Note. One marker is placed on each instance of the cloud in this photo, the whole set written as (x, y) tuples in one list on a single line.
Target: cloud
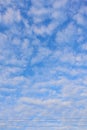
[(80, 17), (60, 4), (43, 65), (67, 36), (84, 46), (9, 16), (46, 17), (42, 54)]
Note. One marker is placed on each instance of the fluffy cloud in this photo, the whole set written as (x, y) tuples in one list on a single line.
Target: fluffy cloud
[(10, 16)]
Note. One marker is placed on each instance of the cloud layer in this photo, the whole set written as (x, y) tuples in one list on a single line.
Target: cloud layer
[(43, 64)]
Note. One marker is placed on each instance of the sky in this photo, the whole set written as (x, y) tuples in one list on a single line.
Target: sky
[(43, 64)]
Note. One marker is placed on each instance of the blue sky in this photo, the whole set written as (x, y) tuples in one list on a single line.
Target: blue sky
[(43, 64)]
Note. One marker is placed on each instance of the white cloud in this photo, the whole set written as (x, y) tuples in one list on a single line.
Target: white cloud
[(10, 16), (58, 4), (80, 17), (46, 103), (42, 54), (84, 46), (3, 39), (16, 41), (5, 2), (67, 35), (58, 87), (40, 13)]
